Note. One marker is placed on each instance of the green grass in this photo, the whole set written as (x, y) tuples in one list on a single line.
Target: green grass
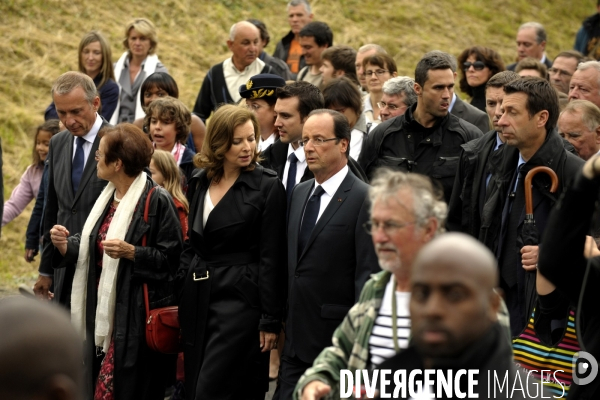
[(40, 39)]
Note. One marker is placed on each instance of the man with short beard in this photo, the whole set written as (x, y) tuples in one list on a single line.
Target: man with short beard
[(406, 213)]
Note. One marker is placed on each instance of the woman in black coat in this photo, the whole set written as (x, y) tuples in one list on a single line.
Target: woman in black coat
[(233, 265), (107, 304)]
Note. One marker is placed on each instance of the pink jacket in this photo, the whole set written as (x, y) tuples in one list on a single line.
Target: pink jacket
[(25, 191)]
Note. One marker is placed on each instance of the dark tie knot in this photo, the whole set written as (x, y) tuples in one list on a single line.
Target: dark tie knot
[(317, 193), (80, 141), (292, 158)]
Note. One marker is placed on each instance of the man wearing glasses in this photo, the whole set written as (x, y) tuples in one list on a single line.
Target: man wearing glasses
[(427, 139), (330, 255), (398, 95), (406, 213)]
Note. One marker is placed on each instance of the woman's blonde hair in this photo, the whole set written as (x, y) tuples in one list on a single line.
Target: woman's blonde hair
[(167, 166), (219, 138), (106, 70), (146, 28)]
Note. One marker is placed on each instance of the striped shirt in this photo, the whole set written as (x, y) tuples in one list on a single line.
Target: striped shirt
[(381, 343)]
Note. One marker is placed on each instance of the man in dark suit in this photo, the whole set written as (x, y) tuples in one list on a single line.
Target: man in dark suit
[(73, 186), (531, 42), (294, 102), (470, 114), (330, 254)]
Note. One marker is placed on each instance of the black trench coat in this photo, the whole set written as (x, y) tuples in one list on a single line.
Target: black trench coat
[(139, 373), (243, 250)]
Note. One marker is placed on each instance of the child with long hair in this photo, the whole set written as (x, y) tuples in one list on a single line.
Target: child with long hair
[(28, 187), (166, 174)]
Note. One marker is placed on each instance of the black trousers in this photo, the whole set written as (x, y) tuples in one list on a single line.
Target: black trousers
[(290, 371)]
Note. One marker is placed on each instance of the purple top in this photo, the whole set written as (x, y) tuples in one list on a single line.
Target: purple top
[(25, 191)]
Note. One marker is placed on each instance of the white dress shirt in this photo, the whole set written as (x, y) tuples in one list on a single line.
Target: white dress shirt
[(330, 186), (234, 78), (89, 140), (300, 164)]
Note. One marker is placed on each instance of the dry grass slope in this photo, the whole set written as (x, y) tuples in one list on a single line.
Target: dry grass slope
[(40, 41)]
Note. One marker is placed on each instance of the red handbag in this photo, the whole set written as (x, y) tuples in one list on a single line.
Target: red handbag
[(162, 324)]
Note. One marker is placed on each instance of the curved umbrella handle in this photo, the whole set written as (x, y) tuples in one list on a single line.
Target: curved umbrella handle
[(528, 191)]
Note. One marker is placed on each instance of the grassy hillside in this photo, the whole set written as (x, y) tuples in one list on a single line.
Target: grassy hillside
[(40, 38)]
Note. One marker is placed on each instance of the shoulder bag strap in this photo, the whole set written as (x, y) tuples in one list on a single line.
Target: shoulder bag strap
[(146, 208)]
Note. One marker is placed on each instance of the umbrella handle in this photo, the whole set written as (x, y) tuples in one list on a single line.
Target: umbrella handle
[(528, 191)]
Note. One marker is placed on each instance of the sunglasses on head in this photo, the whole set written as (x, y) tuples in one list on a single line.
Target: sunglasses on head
[(478, 65)]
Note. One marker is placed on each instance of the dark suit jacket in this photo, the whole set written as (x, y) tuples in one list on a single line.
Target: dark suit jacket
[(513, 66), (471, 114), (275, 156), (325, 280), (66, 209)]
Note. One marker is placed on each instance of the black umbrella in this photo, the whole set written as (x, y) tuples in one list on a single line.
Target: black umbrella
[(529, 234)]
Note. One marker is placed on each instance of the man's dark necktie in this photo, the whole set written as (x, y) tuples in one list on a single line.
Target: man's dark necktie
[(310, 218), (78, 163), (291, 178), (510, 222)]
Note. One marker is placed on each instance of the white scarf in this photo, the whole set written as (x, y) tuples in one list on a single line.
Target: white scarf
[(119, 225), (149, 67)]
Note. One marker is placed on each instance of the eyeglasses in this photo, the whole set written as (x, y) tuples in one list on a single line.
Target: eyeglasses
[(559, 72), (379, 72), (389, 227), (317, 142), (478, 65), (391, 107), (98, 155)]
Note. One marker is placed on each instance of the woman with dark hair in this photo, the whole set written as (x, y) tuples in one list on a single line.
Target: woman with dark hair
[(95, 60), (107, 305), (134, 66), (161, 84), (477, 65), (233, 265)]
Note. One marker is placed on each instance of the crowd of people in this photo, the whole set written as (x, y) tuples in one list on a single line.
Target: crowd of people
[(314, 212)]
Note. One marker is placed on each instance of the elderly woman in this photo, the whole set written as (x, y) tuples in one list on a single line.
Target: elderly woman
[(95, 60), (233, 264), (134, 66), (107, 305), (477, 65)]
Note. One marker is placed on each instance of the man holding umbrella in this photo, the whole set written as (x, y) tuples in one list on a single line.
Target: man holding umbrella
[(529, 115)]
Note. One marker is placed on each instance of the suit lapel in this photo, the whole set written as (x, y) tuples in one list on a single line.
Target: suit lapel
[(334, 205), (67, 160)]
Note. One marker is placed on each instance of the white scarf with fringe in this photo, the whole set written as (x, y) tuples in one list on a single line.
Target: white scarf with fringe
[(105, 310)]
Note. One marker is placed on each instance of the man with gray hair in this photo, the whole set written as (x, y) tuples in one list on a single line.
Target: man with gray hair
[(363, 52), (288, 49), (427, 139), (222, 82), (398, 95), (585, 83), (531, 42), (579, 123), (406, 213), (73, 186)]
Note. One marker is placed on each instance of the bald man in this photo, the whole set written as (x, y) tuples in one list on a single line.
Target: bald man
[(40, 352), (222, 82), (454, 314)]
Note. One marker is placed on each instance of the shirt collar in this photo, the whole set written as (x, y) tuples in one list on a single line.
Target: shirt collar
[(91, 135), (452, 102), (300, 155), (331, 185), (498, 141), (229, 64)]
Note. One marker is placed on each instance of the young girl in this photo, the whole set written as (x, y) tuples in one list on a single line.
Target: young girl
[(161, 84), (166, 174), (28, 188), (168, 121)]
